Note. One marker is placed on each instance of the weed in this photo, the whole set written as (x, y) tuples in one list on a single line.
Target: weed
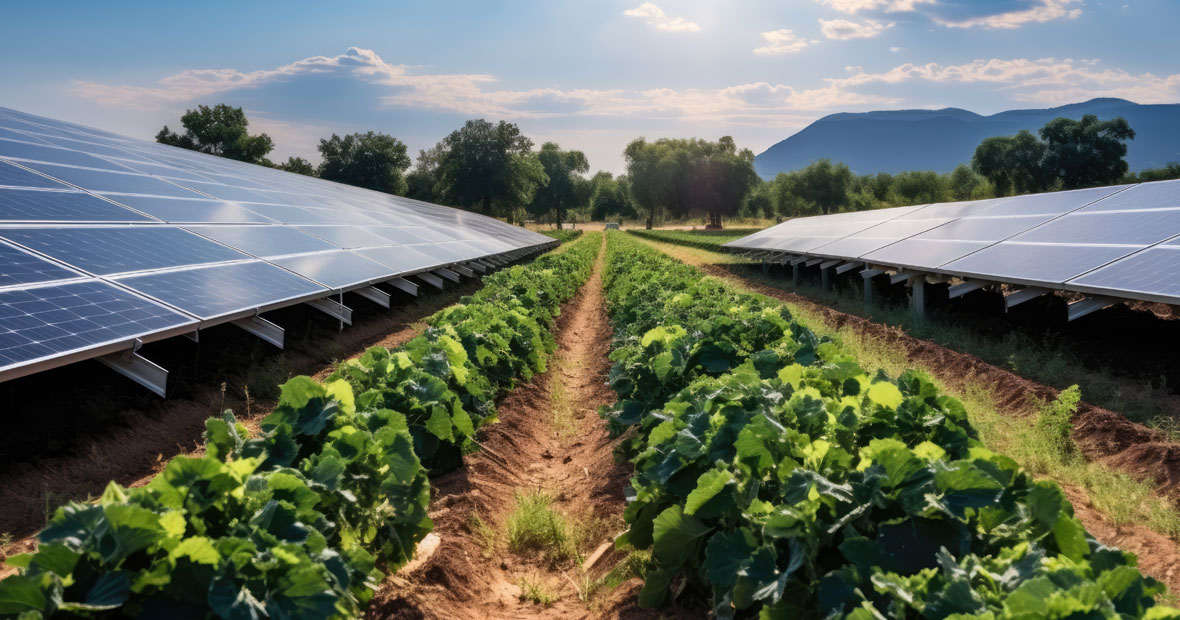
[(534, 590), (486, 534), (536, 527), (264, 379)]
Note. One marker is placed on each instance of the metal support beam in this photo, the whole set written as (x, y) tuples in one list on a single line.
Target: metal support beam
[(194, 335), (799, 259), (825, 278), (868, 286), (846, 267), (918, 296), (262, 328), (430, 279), (477, 266), (375, 295), (871, 272), (463, 271), (139, 369), (829, 263), (1023, 295), (796, 272), (813, 261), (405, 286), (447, 273), (333, 308), (959, 290), (902, 276), (1079, 309)]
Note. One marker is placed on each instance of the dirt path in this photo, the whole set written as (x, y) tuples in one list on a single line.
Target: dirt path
[(137, 444), (1103, 435), (550, 443)]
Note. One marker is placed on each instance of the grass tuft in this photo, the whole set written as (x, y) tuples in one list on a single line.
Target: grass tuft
[(534, 590), (535, 527)]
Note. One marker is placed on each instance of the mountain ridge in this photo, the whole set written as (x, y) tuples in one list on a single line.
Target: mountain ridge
[(917, 139)]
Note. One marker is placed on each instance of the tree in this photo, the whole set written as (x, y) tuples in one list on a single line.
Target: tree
[(298, 165), (1170, 171), (565, 189), (1013, 163), (489, 167), (914, 187), (965, 184), (611, 197), (219, 130), (825, 185), (719, 177), (422, 182), (372, 160), (689, 177), (1086, 153)]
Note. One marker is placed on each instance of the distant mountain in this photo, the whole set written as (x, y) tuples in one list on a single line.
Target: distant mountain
[(897, 140)]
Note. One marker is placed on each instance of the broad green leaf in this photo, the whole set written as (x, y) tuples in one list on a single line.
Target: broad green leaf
[(440, 424), (197, 549), (674, 535), (709, 485), (1071, 538), (885, 394), (21, 593)]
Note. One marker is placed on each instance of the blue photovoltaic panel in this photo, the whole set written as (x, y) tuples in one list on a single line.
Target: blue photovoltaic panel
[(30, 205), (265, 241), (104, 181), (336, 269), (1157, 195), (125, 222), (14, 176), (219, 290), (401, 259), (347, 236), (20, 267), (1154, 272), (108, 250), (189, 210), (48, 321)]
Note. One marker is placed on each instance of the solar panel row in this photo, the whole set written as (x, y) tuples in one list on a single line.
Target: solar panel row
[(105, 239), (1118, 241)]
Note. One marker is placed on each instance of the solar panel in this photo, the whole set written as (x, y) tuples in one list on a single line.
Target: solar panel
[(1152, 274), (31, 205), (336, 269), (111, 250), (222, 290), (981, 228), (51, 321), (20, 267), (93, 221)]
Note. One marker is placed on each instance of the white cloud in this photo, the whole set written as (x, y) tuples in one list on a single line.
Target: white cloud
[(781, 41), (654, 16), (965, 14), (844, 29), (894, 48), (1045, 80)]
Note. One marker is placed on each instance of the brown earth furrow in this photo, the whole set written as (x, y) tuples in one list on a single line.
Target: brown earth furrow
[(526, 450)]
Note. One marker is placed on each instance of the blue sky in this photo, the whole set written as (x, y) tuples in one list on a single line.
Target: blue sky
[(587, 74)]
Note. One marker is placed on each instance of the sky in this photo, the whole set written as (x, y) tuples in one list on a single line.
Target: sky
[(588, 74)]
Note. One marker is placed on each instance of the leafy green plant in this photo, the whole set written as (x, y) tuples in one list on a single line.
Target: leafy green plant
[(787, 483)]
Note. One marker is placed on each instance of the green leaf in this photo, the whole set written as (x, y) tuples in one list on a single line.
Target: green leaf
[(709, 485), (197, 549), (132, 528), (1070, 537), (232, 602), (885, 394), (674, 535), (21, 593), (725, 554), (440, 423)]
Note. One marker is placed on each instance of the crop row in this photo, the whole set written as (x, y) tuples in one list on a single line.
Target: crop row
[(775, 476), (563, 235), (710, 240), (303, 519)]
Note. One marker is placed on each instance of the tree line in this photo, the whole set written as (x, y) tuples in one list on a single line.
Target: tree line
[(492, 168)]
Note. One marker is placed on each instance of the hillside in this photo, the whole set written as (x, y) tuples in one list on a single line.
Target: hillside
[(897, 140)]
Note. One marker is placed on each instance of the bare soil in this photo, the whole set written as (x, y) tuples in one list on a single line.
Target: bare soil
[(1103, 435), (555, 444), (74, 429)]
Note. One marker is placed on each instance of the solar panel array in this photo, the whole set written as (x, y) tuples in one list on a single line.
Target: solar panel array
[(106, 239), (1121, 241)]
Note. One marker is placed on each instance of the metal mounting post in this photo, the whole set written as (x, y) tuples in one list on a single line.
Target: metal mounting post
[(829, 264), (902, 276), (478, 266), (796, 272), (333, 309), (846, 267), (463, 271), (447, 273), (375, 295), (1079, 309), (139, 369), (825, 278), (405, 286), (262, 328), (430, 279), (959, 290), (1023, 295), (917, 286), (813, 261)]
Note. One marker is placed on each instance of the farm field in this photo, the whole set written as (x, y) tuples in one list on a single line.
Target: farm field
[(766, 464)]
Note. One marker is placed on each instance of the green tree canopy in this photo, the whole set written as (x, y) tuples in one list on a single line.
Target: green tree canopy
[(372, 160), (688, 177), (298, 165), (1086, 153), (824, 185), (219, 130), (611, 197), (422, 182), (489, 167), (566, 188)]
